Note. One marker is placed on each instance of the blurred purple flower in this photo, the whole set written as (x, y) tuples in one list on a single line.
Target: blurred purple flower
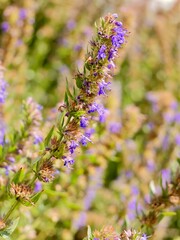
[(177, 140), (114, 127), (22, 13), (71, 24), (134, 190), (5, 26), (3, 86), (89, 132), (177, 117), (38, 186), (165, 142), (37, 139), (166, 177), (2, 132)]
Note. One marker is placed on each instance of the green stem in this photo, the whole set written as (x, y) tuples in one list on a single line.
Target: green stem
[(33, 180), (11, 210)]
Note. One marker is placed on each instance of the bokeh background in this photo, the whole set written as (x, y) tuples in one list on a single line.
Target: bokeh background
[(44, 42)]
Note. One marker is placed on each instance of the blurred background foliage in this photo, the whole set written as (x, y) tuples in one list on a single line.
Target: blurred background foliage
[(44, 42)]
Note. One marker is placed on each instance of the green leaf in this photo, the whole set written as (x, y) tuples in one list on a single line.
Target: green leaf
[(74, 92), (1, 151), (36, 197), (168, 214), (66, 99), (18, 176), (77, 114), (48, 138), (56, 193), (68, 91), (6, 233), (79, 82), (61, 121)]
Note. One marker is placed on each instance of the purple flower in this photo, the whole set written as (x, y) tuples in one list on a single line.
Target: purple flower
[(168, 117), (177, 140), (134, 190), (71, 24), (2, 132), (165, 142), (22, 13), (3, 86), (93, 107), (112, 54), (131, 209), (117, 40), (83, 122), (102, 114), (7, 169), (119, 24), (177, 117), (144, 237), (101, 52), (11, 159), (68, 162), (84, 140), (73, 146), (5, 26), (115, 15), (81, 221), (37, 139), (114, 127), (166, 177), (111, 64), (129, 174), (89, 132), (151, 165), (38, 186), (103, 86)]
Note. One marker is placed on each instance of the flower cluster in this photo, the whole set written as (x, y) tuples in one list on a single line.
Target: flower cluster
[(109, 233), (80, 108)]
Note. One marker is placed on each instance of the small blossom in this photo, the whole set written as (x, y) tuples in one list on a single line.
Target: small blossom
[(68, 162), (37, 139), (89, 132), (21, 191), (3, 86), (177, 117), (84, 140), (22, 14), (73, 146), (5, 26), (71, 24), (144, 237), (2, 132), (112, 53), (166, 177), (46, 172), (93, 108), (83, 122), (38, 186), (114, 127), (103, 86), (101, 52), (177, 140)]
